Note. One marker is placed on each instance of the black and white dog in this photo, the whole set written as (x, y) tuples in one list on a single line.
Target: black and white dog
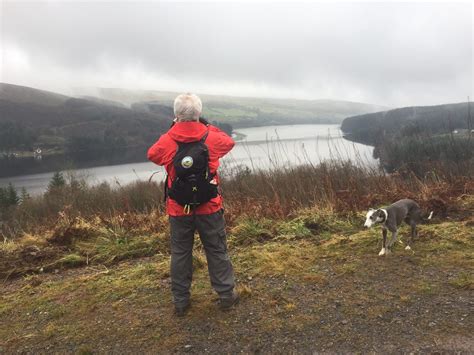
[(392, 217)]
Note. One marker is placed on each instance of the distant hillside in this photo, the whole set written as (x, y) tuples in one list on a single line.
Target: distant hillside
[(373, 127), (102, 101), (32, 118), (23, 94), (154, 107), (245, 111)]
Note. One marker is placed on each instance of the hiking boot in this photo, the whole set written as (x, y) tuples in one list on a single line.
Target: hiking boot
[(181, 310), (226, 303)]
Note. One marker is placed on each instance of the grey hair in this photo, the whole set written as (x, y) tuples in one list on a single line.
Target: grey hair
[(187, 107)]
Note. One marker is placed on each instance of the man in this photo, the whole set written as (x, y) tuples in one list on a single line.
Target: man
[(190, 134)]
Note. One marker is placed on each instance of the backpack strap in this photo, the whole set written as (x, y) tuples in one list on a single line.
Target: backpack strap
[(165, 192), (204, 137)]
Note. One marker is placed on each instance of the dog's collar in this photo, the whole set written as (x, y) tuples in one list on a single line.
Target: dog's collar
[(385, 214)]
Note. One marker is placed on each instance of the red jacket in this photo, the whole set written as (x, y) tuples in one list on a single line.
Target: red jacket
[(163, 151)]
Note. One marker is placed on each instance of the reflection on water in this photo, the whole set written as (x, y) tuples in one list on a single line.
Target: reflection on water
[(47, 163), (262, 148)]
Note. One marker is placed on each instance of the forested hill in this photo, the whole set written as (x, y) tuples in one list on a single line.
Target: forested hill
[(373, 127), (31, 118), (414, 138)]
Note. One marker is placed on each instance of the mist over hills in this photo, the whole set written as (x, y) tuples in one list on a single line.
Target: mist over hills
[(244, 111)]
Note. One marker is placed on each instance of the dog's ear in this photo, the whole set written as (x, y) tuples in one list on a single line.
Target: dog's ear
[(371, 210)]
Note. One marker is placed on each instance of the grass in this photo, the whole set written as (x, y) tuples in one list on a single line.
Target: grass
[(265, 242), (130, 302), (463, 281)]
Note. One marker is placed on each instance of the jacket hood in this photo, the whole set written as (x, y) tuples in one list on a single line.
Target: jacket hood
[(187, 131)]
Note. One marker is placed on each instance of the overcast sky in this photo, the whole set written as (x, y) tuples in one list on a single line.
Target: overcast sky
[(394, 54)]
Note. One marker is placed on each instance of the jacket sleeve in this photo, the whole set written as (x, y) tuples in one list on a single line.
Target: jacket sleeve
[(223, 143), (162, 151)]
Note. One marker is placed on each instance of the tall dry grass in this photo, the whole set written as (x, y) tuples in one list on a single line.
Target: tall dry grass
[(341, 186), (77, 198)]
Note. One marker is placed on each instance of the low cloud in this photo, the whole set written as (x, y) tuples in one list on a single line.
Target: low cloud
[(389, 54)]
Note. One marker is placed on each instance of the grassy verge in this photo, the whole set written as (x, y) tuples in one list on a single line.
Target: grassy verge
[(75, 241)]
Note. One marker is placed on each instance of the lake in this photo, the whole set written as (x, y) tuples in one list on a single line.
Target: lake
[(262, 148)]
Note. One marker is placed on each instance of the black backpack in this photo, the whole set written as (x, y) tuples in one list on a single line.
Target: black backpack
[(192, 185)]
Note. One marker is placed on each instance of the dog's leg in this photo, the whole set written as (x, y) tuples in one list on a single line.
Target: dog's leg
[(413, 234), (393, 239), (384, 242)]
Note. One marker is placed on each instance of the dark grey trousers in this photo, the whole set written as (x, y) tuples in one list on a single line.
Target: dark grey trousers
[(211, 229)]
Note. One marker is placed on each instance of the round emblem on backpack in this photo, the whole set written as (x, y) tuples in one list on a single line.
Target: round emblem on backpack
[(187, 162)]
